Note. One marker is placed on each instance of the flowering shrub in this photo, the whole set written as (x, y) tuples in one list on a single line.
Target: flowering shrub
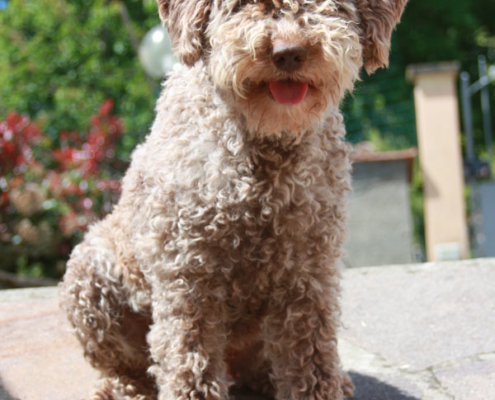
[(51, 190)]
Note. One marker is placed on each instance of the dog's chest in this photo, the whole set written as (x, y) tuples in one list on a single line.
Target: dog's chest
[(253, 214), (276, 205), (270, 232)]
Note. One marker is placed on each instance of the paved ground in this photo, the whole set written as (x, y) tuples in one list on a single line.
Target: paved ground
[(421, 332), (410, 332)]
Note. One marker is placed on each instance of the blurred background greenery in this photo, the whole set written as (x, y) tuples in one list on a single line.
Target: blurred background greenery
[(74, 101)]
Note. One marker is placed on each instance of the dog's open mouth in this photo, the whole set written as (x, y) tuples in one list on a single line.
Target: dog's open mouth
[(288, 92)]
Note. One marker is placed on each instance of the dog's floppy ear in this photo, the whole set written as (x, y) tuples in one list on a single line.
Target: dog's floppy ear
[(186, 20), (378, 20)]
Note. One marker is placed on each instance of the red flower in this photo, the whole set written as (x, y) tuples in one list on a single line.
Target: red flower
[(106, 107), (17, 136), (67, 157), (108, 184), (99, 146), (4, 199)]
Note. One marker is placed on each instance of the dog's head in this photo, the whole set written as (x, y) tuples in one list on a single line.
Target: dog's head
[(283, 61)]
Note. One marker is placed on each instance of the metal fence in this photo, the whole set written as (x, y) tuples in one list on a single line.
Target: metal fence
[(482, 201)]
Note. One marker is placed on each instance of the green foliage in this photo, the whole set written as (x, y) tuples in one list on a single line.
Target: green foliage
[(443, 30), (60, 59), (417, 206)]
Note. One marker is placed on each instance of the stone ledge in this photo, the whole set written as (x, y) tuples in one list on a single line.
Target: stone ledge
[(410, 332), (415, 70)]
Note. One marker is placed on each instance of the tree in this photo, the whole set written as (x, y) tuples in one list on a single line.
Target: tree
[(60, 59), (444, 30)]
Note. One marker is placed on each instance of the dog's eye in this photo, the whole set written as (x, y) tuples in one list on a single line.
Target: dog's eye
[(338, 9), (239, 5), (255, 7)]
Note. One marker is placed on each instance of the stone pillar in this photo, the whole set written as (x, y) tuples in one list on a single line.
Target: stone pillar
[(437, 120)]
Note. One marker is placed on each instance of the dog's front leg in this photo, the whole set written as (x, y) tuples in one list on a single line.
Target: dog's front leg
[(300, 332), (187, 341)]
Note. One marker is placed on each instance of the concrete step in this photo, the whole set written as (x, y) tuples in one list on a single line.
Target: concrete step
[(409, 332)]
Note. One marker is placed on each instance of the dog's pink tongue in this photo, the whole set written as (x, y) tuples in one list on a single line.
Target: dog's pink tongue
[(288, 92)]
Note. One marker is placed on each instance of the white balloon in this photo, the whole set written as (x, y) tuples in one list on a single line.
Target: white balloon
[(156, 53)]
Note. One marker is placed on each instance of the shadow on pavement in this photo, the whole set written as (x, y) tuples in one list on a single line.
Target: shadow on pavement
[(4, 395), (244, 394), (366, 388), (369, 388)]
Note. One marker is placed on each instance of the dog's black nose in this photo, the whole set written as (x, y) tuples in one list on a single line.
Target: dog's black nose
[(289, 57)]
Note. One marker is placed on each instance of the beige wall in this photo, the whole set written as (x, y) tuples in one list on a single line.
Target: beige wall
[(437, 121)]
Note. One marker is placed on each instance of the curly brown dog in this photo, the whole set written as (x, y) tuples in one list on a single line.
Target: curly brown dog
[(217, 266)]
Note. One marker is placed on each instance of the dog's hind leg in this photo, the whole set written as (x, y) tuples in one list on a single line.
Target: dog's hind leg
[(113, 335), (121, 388)]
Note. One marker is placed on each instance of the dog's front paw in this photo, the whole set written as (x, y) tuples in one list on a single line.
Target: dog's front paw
[(194, 390), (120, 389)]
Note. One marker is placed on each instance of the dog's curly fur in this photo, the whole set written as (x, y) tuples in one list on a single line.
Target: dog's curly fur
[(217, 266)]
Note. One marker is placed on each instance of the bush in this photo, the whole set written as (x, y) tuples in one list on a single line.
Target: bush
[(60, 59), (50, 191)]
